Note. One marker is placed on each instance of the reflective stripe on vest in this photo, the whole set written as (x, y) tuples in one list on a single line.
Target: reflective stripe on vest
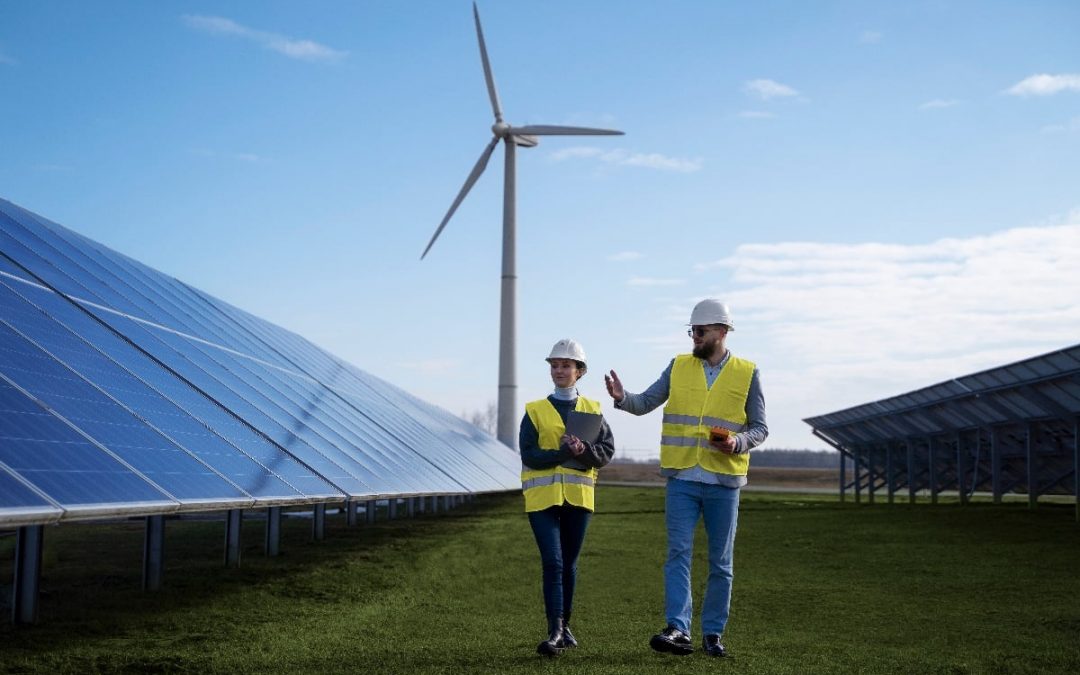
[(693, 408), (557, 478), (544, 488)]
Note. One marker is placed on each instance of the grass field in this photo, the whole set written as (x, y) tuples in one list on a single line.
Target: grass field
[(820, 587)]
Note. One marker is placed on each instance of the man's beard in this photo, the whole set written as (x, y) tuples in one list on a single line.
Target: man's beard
[(706, 350)]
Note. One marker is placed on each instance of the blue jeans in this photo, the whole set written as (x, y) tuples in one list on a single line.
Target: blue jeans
[(685, 504), (559, 532)]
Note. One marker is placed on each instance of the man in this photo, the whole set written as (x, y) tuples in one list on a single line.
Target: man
[(715, 414)]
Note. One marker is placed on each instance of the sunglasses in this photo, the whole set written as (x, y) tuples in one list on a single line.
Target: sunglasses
[(699, 331)]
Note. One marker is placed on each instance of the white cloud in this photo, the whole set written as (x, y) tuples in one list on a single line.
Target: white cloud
[(1045, 85), (624, 158), (835, 325), (305, 50), (625, 256), (650, 281), (870, 37), (939, 103), (757, 115), (767, 89)]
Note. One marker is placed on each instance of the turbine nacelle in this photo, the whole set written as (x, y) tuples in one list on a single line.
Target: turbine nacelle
[(502, 130)]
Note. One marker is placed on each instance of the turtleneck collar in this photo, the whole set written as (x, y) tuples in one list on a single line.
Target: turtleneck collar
[(565, 393)]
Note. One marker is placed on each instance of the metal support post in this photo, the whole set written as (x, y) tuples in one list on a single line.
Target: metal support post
[(410, 504), (961, 468), (1076, 465), (890, 483), (350, 513), (391, 508), (153, 553), (933, 469), (435, 505), (995, 464), (233, 519), (1032, 470), (369, 511), (318, 523), (910, 470), (856, 466), (272, 545), (28, 545), (871, 476), (843, 477)]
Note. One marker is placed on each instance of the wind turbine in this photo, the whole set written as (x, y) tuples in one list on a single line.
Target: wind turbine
[(506, 429)]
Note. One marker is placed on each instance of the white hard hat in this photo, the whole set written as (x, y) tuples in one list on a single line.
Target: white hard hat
[(711, 310), (568, 349)]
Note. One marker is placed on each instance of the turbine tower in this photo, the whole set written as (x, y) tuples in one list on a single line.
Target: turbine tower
[(506, 430)]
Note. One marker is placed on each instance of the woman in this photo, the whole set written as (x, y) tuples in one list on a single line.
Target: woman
[(558, 479)]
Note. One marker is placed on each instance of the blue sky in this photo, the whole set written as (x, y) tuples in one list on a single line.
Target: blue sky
[(887, 194)]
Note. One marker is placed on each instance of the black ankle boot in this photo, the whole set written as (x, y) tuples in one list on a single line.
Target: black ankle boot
[(568, 640), (552, 646)]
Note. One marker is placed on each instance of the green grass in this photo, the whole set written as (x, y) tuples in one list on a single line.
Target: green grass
[(820, 587)]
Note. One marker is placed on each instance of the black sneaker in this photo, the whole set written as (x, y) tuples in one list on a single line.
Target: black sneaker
[(672, 640), (712, 646)]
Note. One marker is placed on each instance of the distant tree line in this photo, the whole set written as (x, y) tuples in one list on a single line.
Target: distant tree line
[(808, 459)]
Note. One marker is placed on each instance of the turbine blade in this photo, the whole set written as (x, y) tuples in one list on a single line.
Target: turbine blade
[(552, 130), (478, 169), (488, 77)]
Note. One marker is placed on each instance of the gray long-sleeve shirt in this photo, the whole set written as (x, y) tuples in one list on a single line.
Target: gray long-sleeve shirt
[(754, 435)]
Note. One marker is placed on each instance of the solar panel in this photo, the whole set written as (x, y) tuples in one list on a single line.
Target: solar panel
[(432, 427), (59, 461), (198, 403), (140, 398)]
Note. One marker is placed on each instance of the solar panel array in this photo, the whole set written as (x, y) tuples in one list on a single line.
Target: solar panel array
[(1045, 387), (126, 392), (1014, 428)]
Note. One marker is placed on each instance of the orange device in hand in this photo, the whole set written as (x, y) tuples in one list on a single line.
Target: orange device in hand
[(718, 434)]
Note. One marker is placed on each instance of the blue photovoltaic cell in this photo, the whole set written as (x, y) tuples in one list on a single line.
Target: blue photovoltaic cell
[(167, 465), (15, 495), (294, 434), (448, 441), (213, 416), (332, 412), (22, 247), (206, 400), (378, 410), (318, 412), (60, 462), (139, 397), (289, 431)]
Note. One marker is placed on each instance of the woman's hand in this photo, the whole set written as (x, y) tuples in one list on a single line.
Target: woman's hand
[(575, 444)]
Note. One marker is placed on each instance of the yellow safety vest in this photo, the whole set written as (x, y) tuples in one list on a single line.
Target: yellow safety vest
[(544, 488), (693, 408)]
